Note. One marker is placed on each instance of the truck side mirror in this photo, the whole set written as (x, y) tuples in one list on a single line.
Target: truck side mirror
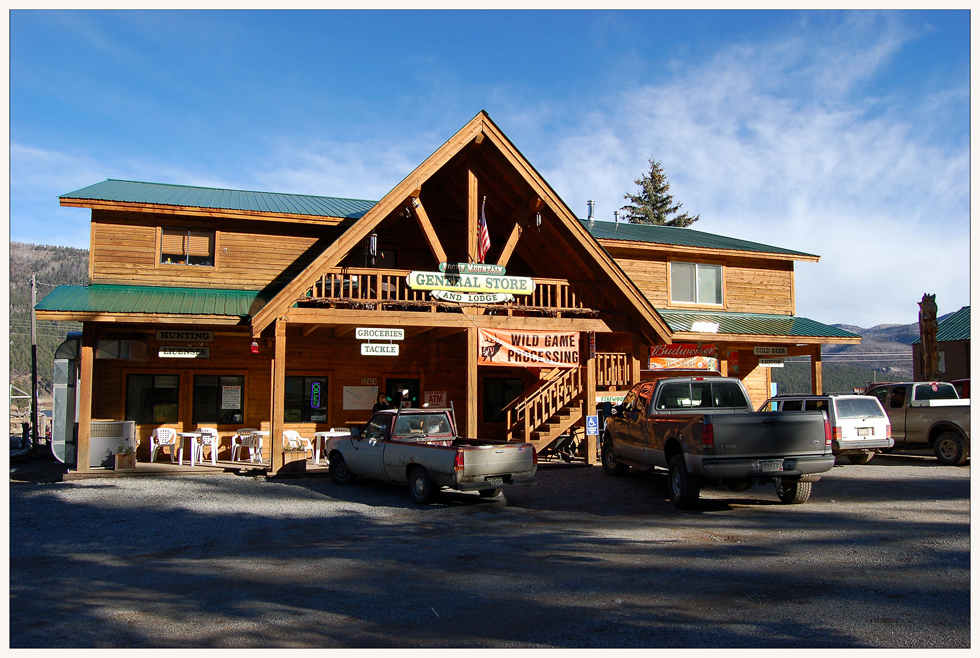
[(355, 432), (607, 408)]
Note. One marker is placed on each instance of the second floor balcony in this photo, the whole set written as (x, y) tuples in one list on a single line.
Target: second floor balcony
[(388, 290)]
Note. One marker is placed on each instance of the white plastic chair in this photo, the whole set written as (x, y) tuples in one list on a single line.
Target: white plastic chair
[(246, 437), (209, 437), (164, 437), (293, 441)]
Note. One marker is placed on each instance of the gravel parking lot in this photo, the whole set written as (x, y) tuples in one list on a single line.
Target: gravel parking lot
[(879, 557)]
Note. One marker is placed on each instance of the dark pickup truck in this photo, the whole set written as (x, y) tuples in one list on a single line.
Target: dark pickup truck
[(704, 431)]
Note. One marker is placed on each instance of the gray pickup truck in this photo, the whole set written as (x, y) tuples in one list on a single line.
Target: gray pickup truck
[(420, 448), (704, 430), (927, 414)]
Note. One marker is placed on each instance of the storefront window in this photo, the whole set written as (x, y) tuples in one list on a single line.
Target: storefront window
[(152, 398), (219, 399), (498, 392), (306, 400)]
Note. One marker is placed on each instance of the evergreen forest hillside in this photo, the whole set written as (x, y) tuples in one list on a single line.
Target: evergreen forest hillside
[(51, 266)]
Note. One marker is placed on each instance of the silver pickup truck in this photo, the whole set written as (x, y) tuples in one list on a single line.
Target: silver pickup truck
[(927, 414), (420, 448), (704, 430)]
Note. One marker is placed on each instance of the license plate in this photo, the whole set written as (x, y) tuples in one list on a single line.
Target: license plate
[(495, 481), (771, 465), (864, 431)]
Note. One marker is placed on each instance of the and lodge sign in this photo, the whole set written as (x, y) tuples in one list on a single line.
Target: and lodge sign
[(529, 349)]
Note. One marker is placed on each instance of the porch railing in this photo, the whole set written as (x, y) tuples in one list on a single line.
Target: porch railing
[(612, 369), (530, 413), (379, 286)]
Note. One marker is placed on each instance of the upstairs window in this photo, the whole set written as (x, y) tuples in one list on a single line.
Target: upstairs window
[(184, 246), (695, 283)]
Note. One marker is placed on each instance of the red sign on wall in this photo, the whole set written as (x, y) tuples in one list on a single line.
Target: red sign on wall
[(684, 356)]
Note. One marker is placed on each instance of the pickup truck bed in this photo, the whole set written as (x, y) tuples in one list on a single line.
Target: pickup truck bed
[(400, 446), (704, 431)]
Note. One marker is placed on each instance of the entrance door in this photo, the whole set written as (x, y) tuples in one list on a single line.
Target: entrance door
[(408, 391)]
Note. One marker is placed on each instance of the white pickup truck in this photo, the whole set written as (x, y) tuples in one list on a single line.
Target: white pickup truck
[(420, 448)]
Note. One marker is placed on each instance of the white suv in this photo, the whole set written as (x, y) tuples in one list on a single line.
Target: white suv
[(860, 425)]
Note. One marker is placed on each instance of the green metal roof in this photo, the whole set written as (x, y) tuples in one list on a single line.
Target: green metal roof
[(955, 327), (149, 299), (753, 324), (216, 198), (684, 237)]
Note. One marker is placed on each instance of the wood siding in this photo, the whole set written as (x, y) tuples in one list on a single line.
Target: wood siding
[(750, 285), (249, 255)]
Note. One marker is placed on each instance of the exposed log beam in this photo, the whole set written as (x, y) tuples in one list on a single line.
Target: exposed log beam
[(472, 209), (455, 321), (427, 229), (342, 330)]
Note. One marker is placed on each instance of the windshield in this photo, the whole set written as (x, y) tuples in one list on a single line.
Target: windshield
[(858, 408), (420, 426)]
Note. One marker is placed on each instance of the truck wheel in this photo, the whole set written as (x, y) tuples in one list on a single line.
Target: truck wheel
[(950, 449), (490, 493), (793, 493), (862, 459), (609, 463), (420, 486), (685, 489), (339, 472)]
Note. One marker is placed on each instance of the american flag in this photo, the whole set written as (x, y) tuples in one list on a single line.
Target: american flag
[(484, 236)]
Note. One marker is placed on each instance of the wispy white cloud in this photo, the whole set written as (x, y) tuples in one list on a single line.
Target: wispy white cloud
[(774, 143)]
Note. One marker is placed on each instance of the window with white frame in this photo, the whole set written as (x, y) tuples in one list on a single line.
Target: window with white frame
[(695, 283)]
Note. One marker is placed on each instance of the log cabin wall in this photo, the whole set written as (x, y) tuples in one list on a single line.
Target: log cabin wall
[(249, 255), (750, 285)]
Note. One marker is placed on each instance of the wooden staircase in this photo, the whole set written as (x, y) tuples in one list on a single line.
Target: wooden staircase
[(547, 411)]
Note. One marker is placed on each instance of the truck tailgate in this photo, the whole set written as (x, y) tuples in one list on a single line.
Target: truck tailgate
[(770, 433), (498, 459)]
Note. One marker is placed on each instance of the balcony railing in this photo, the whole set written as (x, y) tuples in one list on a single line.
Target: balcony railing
[(387, 289)]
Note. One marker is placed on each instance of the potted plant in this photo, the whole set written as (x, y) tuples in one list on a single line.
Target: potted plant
[(125, 458)]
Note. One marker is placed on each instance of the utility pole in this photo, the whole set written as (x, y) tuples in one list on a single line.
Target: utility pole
[(34, 437)]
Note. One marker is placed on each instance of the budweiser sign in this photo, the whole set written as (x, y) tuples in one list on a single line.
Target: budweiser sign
[(684, 356)]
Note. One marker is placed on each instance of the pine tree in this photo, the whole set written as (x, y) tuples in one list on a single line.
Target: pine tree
[(654, 203)]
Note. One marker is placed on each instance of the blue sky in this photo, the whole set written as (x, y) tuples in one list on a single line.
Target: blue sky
[(843, 134)]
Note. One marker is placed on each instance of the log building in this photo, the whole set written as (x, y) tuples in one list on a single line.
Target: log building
[(226, 308)]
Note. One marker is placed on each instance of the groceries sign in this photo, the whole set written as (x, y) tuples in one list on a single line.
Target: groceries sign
[(529, 349)]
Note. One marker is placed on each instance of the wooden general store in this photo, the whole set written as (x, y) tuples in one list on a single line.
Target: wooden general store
[(230, 309)]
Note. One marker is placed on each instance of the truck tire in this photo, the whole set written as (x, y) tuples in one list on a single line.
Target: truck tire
[(684, 488), (950, 449), (862, 459), (339, 472), (609, 463), (420, 486), (793, 493)]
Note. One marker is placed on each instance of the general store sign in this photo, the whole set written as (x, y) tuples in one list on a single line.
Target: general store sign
[(478, 283), (529, 349), (684, 356), (471, 297)]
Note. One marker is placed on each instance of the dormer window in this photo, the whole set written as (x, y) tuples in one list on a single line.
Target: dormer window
[(695, 283), (184, 246)]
